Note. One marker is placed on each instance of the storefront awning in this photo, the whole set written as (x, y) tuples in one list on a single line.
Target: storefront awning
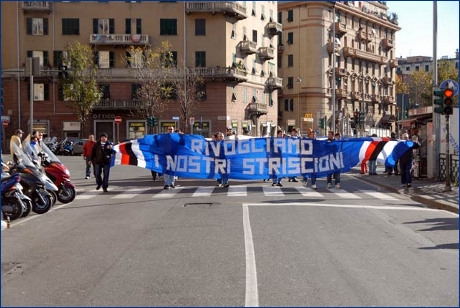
[(411, 121)]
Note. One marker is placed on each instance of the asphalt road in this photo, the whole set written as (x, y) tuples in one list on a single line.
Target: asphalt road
[(247, 245)]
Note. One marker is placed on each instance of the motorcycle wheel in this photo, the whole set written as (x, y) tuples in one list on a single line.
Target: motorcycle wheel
[(42, 208), (53, 197), (27, 207), (66, 194), (17, 209)]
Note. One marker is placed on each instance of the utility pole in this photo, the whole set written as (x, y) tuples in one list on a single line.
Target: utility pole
[(333, 68)]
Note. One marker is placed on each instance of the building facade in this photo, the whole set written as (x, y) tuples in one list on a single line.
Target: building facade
[(360, 37), (231, 44)]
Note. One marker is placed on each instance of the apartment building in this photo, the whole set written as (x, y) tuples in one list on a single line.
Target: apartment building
[(232, 44), (360, 37)]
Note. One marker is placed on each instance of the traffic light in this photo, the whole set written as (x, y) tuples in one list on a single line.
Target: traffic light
[(438, 101), (448, 102), (321, 123), (356, 117), (362, 117), (150, 121), (155, 121)]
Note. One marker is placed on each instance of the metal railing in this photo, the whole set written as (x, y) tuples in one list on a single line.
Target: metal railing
[(453, 166)]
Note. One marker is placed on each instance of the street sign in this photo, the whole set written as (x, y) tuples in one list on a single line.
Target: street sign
[(449, 84), (117, 120), (191, 120), (5, 123), (175, 118)]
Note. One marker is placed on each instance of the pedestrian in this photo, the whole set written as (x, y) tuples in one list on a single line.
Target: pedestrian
[(390, 170), (294, 135), (276, 178), (223, 181), (406, 161), (16, 140), (87, 148), (32, 150), (38, 144), (336, 174), (312, 136), (373, 162), (169, 179), (101, 155), (230, 135)]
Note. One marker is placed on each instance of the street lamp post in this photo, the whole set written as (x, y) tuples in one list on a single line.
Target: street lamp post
[(333, 69)]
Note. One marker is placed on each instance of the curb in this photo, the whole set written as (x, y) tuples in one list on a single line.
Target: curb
[(418, 196)]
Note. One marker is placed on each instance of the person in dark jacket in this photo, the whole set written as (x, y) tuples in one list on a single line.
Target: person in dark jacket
[(101, 155), (405, 163)]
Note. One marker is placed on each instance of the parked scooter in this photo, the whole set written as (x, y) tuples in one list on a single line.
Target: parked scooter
[(51, 143), (35, 183), (12, 206), (59, 174), (26, 201)]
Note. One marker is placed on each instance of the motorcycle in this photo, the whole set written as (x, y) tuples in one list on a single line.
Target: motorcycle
[(51, 143), (26, 201), (59, 174), (12, 206), (35, 183)]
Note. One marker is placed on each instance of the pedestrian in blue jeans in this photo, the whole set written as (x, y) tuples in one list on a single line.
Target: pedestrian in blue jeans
[(101, 156), (405, 163)]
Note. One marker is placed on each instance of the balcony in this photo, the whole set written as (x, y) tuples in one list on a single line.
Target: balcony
[(232, 9), (387, 43), (257, 109), (248, 47), (393, 63), (280, 48), (388, 99), (119, 39), (356, 96), (364, 36), (274, 28), (37, 6), (266, 53), (340, 28), (375, 98), (113, 104), (340, 93), (387, 81), (360, 54), (340, 72), (330, 47), (274, 83)]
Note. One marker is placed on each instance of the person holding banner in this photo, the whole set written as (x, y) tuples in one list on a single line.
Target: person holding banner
[(169, 179), (312, 136), (294, 135), (223, 181), (277, 179), (406, 161)]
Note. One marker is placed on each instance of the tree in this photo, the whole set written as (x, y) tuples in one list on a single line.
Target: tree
[(79, 85), (420, 88), (446, 70), (401, 87)]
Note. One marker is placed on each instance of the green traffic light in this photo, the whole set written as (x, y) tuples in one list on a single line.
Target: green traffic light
[(439, 101)]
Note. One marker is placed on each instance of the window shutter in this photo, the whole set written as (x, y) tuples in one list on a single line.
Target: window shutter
[(112, 59), (138, 26), (45, 58), (112, 26), (29, 53), (45, 26), (95, 26), (46, 92)]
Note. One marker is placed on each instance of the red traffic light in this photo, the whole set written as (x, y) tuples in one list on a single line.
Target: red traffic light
[(355, 114), (448, 93)]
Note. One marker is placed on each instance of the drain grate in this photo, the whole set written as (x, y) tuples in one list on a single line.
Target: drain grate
[(209, 204)]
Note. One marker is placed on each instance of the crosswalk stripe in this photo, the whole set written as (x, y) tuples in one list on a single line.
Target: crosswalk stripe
[(378, 195), (273, 191), (237, 191), (308, 192), (345, 194), (203, 191), (88, 194), (131, 193), (167, 193)]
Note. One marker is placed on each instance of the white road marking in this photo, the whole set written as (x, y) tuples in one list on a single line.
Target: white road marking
[(237, 191), (131, 193), (273, 191), (252, 293), (167, 193), (378, 195), (203, 191), (308, 192)]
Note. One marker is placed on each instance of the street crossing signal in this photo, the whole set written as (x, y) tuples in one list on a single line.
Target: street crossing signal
[(155, 121), (438, 101), (150, 121), (321, 123), (356, 117), (448, 102), (362, 117)]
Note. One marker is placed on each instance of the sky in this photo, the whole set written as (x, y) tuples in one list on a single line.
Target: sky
[(416, 20)]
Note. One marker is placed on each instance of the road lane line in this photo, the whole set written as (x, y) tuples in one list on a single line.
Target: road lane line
[(252, 294), (345, 194), (237, 191), (378, 195), (273, 191)]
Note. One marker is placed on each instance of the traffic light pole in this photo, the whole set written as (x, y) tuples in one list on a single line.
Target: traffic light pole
[(448, 184)]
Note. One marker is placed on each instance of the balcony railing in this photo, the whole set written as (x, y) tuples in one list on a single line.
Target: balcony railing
[(340, 28), (339, 93), (387, 80), (258, 108), (330, 46), (274, 82), (340, 72), (393, 63), (375, 98), (356, 53), (233, 8), (275, 28), (119, 39), (356, 96), (248, 47), (266, 53), (38, 6), (388, 99)]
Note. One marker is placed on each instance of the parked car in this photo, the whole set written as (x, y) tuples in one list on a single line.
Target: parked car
[(78, 146)]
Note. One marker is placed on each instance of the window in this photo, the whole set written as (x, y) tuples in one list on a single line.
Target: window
[(37, 26), (262, 15), (201, 92), (60, 58), (105, 89), (169, 59), (135, 87), (134, 58), (200, 26), (104, 59), (427, 68), (271, 102), (70, 26), (168, 91), (42, 55), (290, 60), (290, 39), (103, 26), (168, 26), (253, 8), (288, 104), (417, 68), (290, 83), (233, 35), (133, 26), (407, 68), (41, 92), (254, 36), (280, 17), (290, 15), (200, 58)]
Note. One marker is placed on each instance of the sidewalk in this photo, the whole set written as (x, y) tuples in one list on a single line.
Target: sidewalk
[(426, 191)]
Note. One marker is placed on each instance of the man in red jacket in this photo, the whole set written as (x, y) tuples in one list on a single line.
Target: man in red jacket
[(87, 147)]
